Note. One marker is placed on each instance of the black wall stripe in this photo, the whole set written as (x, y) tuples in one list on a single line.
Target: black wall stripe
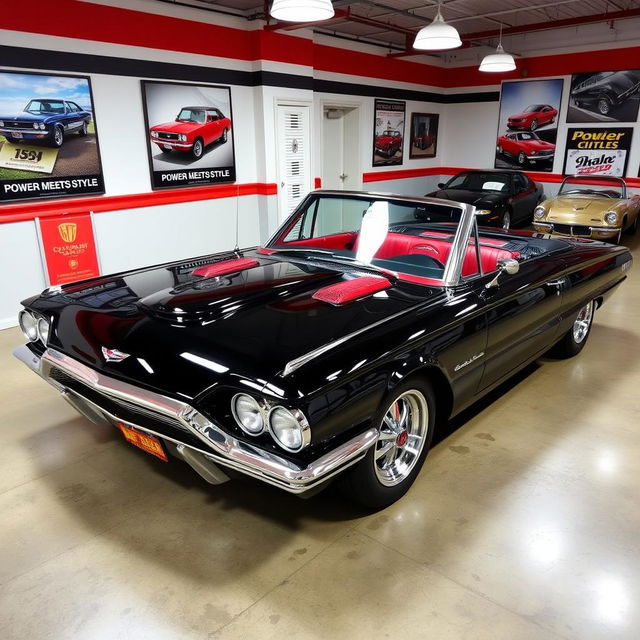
[(38, 59)]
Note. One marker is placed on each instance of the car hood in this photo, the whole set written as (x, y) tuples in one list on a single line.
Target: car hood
[(535, 145), (479, 200), (387, 139), (518, 116), (177, 127), (24, 116), (579, 210), (185, 334)]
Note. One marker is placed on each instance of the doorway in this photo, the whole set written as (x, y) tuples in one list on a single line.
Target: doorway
[(341, 147)]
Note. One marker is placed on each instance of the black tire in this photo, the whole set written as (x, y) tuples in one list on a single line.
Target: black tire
[(223, 138), (84, 129), (633, 227), (604, 106), (534, 124), (362, 483), (572, 344), (57, 137), (522, 158), (198, 148)]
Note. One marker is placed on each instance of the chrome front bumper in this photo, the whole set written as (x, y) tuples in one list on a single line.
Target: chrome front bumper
[(594, 232), (218, 447)]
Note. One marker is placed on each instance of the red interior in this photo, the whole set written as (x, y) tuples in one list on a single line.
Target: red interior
[(349, 290), (430, 243), (225, 267)]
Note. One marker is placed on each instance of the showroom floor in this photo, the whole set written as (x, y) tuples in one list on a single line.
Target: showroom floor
[(523, 524)]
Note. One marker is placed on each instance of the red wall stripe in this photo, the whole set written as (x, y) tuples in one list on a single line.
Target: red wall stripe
[(403, 174), (31, 210)]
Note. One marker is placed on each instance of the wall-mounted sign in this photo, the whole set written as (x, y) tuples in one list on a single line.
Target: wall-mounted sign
[(424, 135), (527, 124), (597, 151), (69, 248), (189, 134), (606, 96), (388, 132), (48, 137)]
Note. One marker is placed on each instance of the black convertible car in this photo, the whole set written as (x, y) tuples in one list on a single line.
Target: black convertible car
[(502, 198), (330, 351)]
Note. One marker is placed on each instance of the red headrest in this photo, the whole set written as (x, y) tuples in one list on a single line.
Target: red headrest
[(225, 267), (349, 290)]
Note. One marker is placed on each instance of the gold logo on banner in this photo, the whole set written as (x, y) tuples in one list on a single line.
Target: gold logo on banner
[(68, 231)]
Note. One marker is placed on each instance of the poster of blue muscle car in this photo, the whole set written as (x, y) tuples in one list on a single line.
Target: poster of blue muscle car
[(48, 137)]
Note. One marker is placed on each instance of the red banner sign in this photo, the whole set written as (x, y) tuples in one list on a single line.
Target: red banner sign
[(69, 248)]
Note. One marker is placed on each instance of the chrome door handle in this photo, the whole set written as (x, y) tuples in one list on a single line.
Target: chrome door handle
[(556, 283)]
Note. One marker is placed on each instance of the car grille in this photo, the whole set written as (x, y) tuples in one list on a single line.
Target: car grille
[(13, 124), (546, 152), (165, 135), (572, 230), (121, 409)]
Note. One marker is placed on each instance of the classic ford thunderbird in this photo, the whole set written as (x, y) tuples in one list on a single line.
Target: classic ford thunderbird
[(328, 353), (598, 207), (46, 120)]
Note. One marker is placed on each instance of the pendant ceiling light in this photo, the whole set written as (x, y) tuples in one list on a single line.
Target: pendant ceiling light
[(302, 10), (437, 36), (499, 61)]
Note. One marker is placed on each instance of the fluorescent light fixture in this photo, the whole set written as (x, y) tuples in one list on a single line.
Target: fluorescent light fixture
[(302, 10), (437, 36)]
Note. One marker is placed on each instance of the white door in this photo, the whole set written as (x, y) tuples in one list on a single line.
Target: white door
[(341, 148), (294, 159)]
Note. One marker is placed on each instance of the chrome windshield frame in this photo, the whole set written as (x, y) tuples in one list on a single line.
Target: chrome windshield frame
[(453, 268)]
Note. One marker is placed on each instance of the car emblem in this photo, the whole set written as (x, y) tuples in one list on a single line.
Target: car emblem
[(113, 355)]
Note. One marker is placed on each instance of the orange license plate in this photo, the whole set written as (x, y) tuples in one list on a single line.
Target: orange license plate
[(143, 441)]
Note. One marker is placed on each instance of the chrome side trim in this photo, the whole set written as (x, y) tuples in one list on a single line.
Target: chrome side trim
[(217, 446)]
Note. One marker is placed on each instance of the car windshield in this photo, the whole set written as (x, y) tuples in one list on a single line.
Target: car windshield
[(532, 108), (477, 181), (45, 106), (605, 187), (382, 235), (390, 133), (191, 115), (528, 136)]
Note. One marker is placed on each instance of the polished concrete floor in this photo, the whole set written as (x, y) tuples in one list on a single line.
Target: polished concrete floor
[(525, 523)]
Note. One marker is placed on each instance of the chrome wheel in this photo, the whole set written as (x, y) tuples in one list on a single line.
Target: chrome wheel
[(603, 106), (521, 158), (582, 323), (506, 220), (402, 438), (534, 124), (197, 148), (58, 137)]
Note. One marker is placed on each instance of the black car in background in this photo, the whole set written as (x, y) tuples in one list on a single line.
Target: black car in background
[(502, 198), (603, 91)]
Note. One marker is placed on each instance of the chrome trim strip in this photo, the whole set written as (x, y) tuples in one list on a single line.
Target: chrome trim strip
[(218, 446), (41, 132), (460, 244), (171, 142)]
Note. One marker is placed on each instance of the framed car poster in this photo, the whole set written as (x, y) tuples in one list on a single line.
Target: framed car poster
[(597, 151), (48, 137), (424, 135), (606, 96), (527, 124), (388, 132), (189, 134)]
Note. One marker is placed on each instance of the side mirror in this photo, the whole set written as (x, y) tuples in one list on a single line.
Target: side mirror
[(508, 266), (441, 185)]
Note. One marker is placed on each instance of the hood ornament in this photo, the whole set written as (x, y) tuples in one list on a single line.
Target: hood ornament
[(113, 355)]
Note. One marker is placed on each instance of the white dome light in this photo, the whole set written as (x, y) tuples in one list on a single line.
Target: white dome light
[(437, 36), (497, 62), (302, 10)]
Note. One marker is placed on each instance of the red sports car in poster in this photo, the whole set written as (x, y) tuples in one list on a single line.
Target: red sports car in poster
[(525, 147), (193, 130), (532, 117), (388, 143)]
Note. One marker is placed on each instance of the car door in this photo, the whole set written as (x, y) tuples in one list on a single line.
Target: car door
[(523, 316), (524, 197)]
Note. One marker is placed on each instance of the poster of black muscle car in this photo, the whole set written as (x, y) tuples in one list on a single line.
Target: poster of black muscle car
[(189, 134), (48, 137), (527, 124), (597, 151), (606, 96), (388, 132)]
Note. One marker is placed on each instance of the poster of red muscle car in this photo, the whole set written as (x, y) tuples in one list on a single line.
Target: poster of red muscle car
[(527, 124), (189, 134), (388, 132)]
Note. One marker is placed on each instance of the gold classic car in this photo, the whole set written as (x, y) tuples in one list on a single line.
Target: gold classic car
[(597, 207)]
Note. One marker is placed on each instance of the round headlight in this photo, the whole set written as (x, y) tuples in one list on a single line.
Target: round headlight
[(1, 123), (538, 213), (154, 134), (183, 137), (611, 217), (483, 212), (248, 414), (42, 125), (43, 330), (36, 125), (28, 325), (289, 429)]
